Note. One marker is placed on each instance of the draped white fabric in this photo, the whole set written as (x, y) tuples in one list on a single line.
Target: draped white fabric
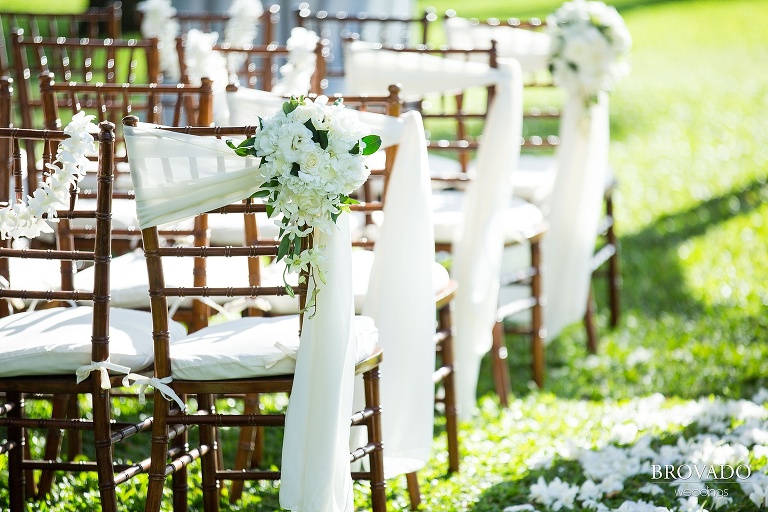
[(315, 466), (404, 307), (177, 176), (479, 241), (574, 210), (529, 48), (400, 295)]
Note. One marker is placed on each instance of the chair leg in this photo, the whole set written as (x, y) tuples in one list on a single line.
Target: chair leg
[(52, 445), (500, 365), (537, 317), (102, 434), (209, 461), (179, 483), (414, 493), (376, 458), (614, 271), (449, 385), (158, 455), (74, 437), (245, 447), (589, 324), (16, 479), (30, 489)]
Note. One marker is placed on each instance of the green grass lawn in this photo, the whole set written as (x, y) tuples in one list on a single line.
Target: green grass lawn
[(689, 131)]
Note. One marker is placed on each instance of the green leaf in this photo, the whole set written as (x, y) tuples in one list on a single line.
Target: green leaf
[(290, 106), (322, 136), (338, 101), (335, 216), (289, 290), (285, 246), (311, 127), (372, 144), (348, 200), (297, 248), (355, 149), (261, 193), (270, 210), (295, 169)]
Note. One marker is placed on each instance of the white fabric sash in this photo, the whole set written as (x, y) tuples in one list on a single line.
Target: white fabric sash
[(177, 176), (479, 241), (400, 294), (528, 47), (574, 211)]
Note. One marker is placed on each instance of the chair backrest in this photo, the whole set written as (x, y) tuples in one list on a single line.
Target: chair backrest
[(217, 22), (255, 66), (80, 60), (373, 27), (96, 22), (525, 41), (200, 163), (453, 119), (99, 252), (76, 60)]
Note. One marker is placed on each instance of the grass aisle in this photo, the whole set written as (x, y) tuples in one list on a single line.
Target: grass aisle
[(689, 132)]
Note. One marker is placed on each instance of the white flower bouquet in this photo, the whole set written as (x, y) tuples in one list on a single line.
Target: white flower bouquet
[(590, 45), (312, 159)]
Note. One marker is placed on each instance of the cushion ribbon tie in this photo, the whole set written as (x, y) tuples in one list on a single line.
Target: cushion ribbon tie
[(159, 384), (103, 368)]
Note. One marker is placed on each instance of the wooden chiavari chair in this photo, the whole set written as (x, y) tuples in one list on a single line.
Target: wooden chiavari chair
[(250, 339), (373, 198), (525, 41), (89, 341), (453, 122)]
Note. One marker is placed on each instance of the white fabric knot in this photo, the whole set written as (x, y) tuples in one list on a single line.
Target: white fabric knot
[(103, 368), (286, 352), (159, 384)]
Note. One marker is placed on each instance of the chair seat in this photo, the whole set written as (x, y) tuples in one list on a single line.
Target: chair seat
[(58, 340), (535, 176), (521, 217), (252, 347), (362, 261)]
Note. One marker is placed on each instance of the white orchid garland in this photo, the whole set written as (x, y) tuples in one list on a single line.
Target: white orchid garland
[(243, 23), (590, 45), (159, 22), (312, 158), (31, 219)]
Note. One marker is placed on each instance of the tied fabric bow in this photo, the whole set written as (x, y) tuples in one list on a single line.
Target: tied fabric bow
[(159, 384), (103, 368)]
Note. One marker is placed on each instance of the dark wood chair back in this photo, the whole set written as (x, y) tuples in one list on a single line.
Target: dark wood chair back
[(96, 22), (76, 60), (335, 27)]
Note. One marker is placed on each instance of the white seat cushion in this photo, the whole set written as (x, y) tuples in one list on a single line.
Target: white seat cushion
[(246, 347), (535, 176), (520, 216), (29, 274), (58, 341), (129, 283), (362, 261)]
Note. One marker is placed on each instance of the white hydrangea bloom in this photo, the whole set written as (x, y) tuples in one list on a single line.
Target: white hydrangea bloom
[(590, 43)]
